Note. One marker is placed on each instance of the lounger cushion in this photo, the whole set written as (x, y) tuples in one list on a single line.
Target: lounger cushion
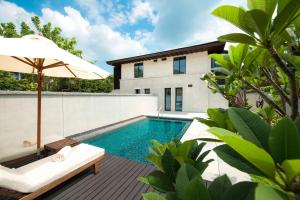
[(33, 176), (62, 154)]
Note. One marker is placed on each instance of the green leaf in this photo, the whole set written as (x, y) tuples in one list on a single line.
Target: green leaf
[(170, 165), (217, 115), (266, 181), (219, 186), (250, 126), (235, 160), (152, 196), (284, 141), (240, 191), (252, 57), (268, 6), (185, 174), (291, 168), (209, 140), (285, 17), (281, 5), (159, 181), (207, 122), (297, 123), (186, 148), (222, 60), (263, 192), (203, 155), (196, 150), (195, 190), (237, 38), (238, 54), (171, 196), (235, 15), (255, 155), (258, 21)]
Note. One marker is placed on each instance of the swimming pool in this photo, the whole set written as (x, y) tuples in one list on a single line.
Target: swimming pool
[(132, 141)]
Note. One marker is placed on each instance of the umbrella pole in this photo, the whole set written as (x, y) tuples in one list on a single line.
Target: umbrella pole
[(39, 112)]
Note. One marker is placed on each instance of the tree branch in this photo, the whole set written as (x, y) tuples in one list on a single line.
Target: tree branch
[(277, 87), (265, 97), (292, 79)]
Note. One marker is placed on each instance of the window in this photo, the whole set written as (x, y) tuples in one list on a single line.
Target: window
[(179, 65), (214, 65), (178, 99), (147, 91), (138, 70), (137, 91), (167, 99)]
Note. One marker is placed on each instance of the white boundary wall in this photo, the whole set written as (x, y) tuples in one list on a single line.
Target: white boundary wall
[(63, 114)]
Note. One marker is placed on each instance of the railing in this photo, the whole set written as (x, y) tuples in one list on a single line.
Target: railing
[(159, 110)]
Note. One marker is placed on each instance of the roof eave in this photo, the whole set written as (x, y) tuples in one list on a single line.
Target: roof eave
[(212, 47)]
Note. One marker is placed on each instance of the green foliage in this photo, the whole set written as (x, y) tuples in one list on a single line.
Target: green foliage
[(9, 82), (284, 141), (275, 164), (217, 117), (177, 180), (271, 66), (180, 166), (268, 114), (29, 82)]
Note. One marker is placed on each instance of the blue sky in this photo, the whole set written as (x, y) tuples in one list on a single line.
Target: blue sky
[(113, 29)]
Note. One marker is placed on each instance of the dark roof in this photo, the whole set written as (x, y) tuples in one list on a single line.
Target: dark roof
[(211, 47)]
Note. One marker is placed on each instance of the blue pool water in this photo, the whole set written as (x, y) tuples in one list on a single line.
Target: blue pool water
[(132, 141)]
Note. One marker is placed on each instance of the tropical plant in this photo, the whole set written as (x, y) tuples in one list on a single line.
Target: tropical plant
[(179, 176), (273, 26), (177, 164), (270, 155), (249, 68)]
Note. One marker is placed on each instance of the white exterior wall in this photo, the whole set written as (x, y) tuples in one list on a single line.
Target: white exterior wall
[(63, 115), (159, 75)]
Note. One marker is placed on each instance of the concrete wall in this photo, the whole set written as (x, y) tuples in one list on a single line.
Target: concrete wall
[(63, 115), (159, 75)]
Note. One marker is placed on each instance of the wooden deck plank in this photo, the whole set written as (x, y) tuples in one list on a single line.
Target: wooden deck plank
[(137, 188), (131, 179), (104, 181), (101, 189), (125, 180), (132, 187), (117, 180), (90, 178)]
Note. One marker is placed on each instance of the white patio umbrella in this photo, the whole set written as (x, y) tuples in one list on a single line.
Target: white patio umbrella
[(39, 55)]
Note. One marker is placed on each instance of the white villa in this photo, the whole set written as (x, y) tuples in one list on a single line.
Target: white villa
[(173, 76)]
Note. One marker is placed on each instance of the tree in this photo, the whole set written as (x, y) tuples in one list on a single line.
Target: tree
[(51, 83), (278, 40)]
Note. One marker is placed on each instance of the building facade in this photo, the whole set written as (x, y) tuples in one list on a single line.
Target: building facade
[(174, 76)]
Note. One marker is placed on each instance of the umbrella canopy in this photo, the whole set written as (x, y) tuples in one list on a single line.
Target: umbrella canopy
[(39, 55), (22, 55)]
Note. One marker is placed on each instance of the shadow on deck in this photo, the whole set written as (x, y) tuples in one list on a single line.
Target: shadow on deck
[(117, 180)]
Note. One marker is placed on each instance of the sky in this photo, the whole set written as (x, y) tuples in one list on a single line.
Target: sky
[(113, 29)]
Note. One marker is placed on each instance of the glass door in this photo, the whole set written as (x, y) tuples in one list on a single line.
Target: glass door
[(167, 99), (178, 99)]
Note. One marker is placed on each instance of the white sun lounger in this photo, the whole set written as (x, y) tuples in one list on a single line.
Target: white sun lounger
[(41, 176)]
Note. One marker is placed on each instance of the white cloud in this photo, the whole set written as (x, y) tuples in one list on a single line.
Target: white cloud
[(12, 13), (142, 10), (94, 9), (97, 40)]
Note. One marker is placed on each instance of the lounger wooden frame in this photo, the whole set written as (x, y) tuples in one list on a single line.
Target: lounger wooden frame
[(94, 163)]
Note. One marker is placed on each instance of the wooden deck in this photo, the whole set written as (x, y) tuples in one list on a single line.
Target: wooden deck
[(117, 180)]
